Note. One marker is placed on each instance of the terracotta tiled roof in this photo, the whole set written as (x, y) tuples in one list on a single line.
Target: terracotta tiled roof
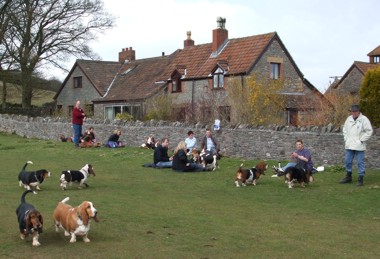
[(100, 73), (375, 52), (138, 79), (240, 55)]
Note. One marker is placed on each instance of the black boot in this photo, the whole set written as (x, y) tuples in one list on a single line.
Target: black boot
[(347, 179), (360, 181)]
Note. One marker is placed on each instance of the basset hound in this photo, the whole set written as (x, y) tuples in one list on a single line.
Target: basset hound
[(250, 176), (81, 176), (29, 219), (209, 160), (75, 221), (29, 179), (296, 174)]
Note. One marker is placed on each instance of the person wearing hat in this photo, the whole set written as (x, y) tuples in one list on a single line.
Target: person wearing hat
[(356, 131)]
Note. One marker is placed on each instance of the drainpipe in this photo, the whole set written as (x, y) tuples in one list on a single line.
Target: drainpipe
[(192, 98)]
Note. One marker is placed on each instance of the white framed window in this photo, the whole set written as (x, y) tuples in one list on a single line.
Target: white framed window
[(218, 78), (275, 70), (110, 112)]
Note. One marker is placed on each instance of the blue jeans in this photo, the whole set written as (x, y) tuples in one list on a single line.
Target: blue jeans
[(350, 154), (167, 164), (291, 164), (77, 133), (196, 167)]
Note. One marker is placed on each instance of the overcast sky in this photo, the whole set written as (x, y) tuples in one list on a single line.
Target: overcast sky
[(324, 37)]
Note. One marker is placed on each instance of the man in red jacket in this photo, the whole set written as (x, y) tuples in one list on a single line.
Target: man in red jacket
[(77, 120)]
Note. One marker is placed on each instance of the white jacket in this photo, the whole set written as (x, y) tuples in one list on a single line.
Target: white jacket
[(357, 132)]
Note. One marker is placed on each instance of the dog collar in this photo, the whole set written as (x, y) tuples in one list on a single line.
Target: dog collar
[(26, 213), (84, 171), (35, 176)]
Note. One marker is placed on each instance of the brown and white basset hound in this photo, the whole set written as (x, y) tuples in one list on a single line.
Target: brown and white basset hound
[(250, 176), (196, 156), (75, 221)]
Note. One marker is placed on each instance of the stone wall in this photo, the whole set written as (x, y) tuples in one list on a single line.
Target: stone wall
[(243, 141)]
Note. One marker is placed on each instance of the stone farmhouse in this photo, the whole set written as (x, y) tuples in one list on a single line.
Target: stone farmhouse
[(195, 77), (352, 79)]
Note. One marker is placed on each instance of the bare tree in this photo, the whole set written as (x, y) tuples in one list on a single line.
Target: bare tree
[(46, 32), (4, 20)]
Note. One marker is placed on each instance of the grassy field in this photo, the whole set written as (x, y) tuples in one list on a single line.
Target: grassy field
[(40, 96), (157, 213)]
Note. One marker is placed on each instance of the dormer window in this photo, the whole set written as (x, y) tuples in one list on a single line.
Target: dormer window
[(176, 82), (218, 78)]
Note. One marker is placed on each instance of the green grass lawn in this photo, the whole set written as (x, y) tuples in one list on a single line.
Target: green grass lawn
[(158, 213)]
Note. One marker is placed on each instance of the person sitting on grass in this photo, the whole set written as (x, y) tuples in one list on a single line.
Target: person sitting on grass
[(161, 158), (180, 161), (113, 140)]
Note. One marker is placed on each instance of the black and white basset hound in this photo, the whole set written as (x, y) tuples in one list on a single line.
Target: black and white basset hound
[(29, 219), (296, 174), (80, 176), (29, 179)]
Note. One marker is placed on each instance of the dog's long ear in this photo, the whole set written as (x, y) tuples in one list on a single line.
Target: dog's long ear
[(41, 219), (28, 221), (83, 212), (261, 166)]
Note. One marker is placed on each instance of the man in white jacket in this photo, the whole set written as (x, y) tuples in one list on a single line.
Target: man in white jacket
[(356, 131)]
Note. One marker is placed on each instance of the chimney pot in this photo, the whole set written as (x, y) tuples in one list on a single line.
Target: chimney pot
[(219, 35), (188, 42), (127, 54)]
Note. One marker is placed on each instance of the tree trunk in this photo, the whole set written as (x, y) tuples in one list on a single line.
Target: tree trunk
[(27, 90), (4, 97)]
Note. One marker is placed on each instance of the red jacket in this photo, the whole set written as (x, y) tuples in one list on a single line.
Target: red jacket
[(78, 115)]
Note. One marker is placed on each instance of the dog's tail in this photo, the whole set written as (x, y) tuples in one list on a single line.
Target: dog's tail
[(28, 162), (24, 194), (65, 199)]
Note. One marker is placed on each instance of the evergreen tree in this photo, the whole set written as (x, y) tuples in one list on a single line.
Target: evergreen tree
[(369, 94)]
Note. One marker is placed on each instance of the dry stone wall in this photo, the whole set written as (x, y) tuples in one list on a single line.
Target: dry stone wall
[(242, 141)]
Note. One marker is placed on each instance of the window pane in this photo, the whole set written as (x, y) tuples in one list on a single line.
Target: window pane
[(274, 70), (218, 80), (215, 81), (108, 113), (77, 82), (221, 80)]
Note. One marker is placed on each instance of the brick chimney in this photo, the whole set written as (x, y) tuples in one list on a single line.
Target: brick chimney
[(188, 42), (219, 35), (127, 54)]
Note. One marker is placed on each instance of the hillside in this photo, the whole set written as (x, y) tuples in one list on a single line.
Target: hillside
[(39, 98)]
